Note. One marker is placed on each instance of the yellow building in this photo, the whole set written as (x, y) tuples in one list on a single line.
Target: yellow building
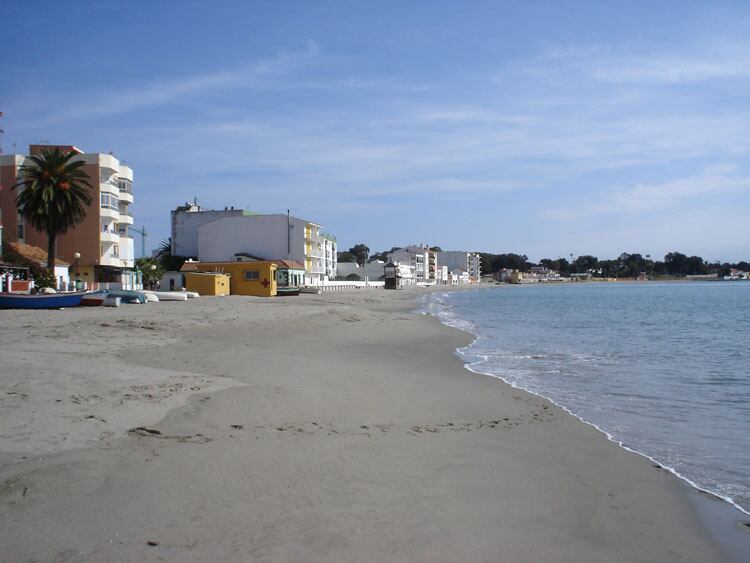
[(245, 278), (207, 283)]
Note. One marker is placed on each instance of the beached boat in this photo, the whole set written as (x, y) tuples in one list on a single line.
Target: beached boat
[(310, 289), (151, 297), (131, 297), (192, 294), (282, 291), (40, 300), (94, 299), (168, 295)]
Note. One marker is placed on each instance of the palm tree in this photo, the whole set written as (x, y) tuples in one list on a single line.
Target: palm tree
[(53, 195), (164, 255)]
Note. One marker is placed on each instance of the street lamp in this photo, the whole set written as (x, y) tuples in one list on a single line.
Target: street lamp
[(77, 256), (152, 267)]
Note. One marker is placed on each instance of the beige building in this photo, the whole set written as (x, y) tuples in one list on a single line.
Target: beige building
[(102, 240)]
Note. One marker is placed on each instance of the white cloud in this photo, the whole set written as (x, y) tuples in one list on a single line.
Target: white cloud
[(171, 90), (671, 69), (646, 198)]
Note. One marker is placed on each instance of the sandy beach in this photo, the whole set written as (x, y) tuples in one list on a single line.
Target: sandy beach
[(334, 427)]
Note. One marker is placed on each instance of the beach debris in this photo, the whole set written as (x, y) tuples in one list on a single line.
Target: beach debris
[(152, 543), (143, 431), (236, 426)]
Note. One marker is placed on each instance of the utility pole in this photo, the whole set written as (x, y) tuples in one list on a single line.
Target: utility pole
[(1, 135)]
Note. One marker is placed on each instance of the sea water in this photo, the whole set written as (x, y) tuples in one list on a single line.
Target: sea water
[(661, 368)]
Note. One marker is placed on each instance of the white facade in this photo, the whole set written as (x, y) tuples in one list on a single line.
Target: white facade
[(115, 197), (441, 274), (457, 259), (270, 237), (400, 274), (459, 276), (373, 271), (185, 223), (417, 257)]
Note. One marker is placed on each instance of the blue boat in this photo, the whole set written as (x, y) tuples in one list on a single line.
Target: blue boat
[(40, 300)]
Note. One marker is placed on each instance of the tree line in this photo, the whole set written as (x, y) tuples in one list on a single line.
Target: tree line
[(624, 266)]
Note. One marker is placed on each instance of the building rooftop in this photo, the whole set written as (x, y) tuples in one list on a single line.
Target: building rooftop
[(34, 254), (288, 264)]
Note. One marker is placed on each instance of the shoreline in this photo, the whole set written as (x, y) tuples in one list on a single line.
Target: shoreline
[(391, 394), (730, 531)]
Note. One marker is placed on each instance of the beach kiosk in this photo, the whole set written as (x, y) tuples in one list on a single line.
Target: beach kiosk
[(208, 283), (290, 277)]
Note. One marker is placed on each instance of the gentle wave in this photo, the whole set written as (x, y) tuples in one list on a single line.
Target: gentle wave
[(485, 362)]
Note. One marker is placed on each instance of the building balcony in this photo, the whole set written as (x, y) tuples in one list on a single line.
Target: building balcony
[(115, 261), (127, 197), (315, 269), (125, 219), (316, 253), (107, 236), (107, 187), (109, 213)]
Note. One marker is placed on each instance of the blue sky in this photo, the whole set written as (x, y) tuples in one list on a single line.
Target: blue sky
[(545, 128)]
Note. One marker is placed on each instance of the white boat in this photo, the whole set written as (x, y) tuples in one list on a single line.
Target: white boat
[(151, 297), (192, 294), (168, 295)]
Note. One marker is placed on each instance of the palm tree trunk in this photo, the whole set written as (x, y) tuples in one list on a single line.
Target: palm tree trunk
[(51, 251)]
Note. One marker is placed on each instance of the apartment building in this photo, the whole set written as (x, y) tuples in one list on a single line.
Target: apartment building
[(102, 239), (457, 259), (418, 257), (217, 236)]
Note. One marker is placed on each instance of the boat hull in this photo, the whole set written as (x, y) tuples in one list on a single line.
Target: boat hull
[(40, 300), (168, 295)]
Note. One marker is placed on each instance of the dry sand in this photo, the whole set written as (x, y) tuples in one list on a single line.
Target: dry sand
[(337, 427)]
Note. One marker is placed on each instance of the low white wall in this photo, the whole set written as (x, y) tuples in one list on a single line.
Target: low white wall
[(348, 285)]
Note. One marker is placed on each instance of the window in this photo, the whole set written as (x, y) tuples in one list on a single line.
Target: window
[(108, 201), (252, 275), (125, 185), (20, 231)]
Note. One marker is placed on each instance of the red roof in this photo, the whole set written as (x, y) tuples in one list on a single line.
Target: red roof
[(34, 254), (288, 264)]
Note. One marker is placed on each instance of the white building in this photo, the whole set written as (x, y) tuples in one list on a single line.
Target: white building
[(418, 257), (218, 236), (456, 259), (441, 274), (372, 271), (398, 275), (459, 276)]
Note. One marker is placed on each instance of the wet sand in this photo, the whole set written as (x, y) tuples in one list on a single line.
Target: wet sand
[(336, 427)]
